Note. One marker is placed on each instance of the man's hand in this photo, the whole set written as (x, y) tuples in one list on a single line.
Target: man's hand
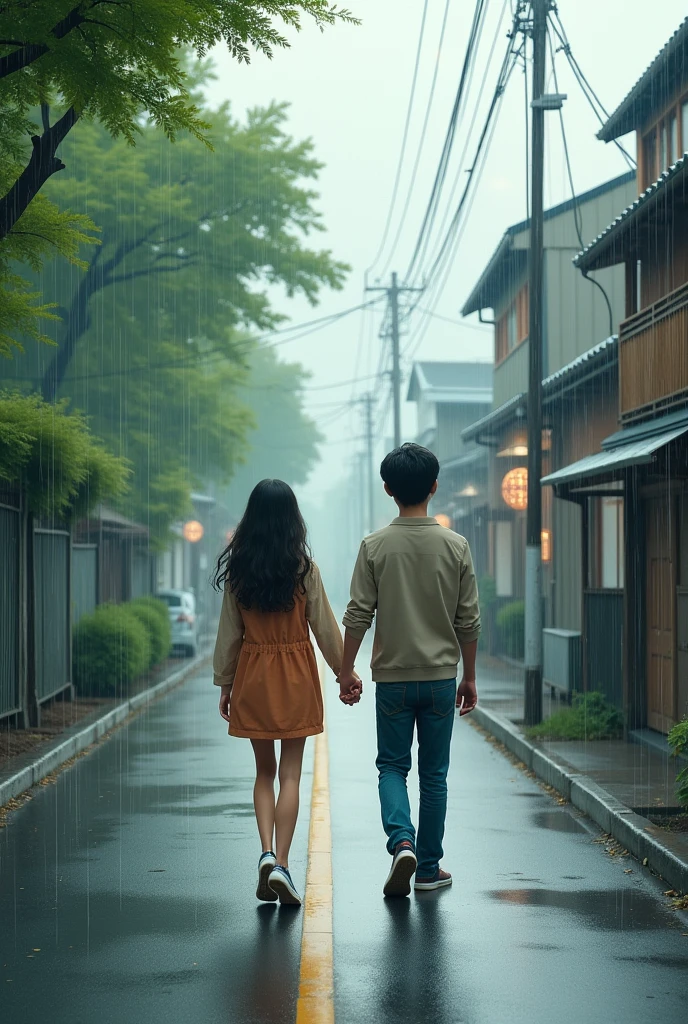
[(466, 696), (350, 687), (225, 694)]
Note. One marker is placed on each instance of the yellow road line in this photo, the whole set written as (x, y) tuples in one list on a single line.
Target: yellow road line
[(315, 1004)]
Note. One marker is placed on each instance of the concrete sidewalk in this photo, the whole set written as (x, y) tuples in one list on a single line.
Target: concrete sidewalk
[(619, 783)]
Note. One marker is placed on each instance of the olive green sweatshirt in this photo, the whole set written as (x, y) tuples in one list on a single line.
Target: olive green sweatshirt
[(417, 579)]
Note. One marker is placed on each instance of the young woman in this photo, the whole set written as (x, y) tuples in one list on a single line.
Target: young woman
[(265, 664)]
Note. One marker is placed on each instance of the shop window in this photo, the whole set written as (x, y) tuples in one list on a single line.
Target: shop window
[(606, 555), (663, 148), (650, 156), (684, 126)]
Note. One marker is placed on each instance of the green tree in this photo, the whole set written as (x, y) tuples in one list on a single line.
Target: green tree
[(199, 232), (155, 334), (111, 60)]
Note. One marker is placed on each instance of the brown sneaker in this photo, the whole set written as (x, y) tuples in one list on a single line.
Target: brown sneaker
[(403, 866), (441, 879)]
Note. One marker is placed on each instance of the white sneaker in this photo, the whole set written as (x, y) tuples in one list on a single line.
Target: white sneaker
[(403, 867), (265, 866), (281, 883)]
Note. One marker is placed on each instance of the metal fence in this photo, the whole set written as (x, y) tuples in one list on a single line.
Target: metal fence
[(84, 580), (52, 608), (10, 546)]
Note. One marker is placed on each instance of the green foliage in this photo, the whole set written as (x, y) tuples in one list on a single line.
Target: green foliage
[(487, 588), (111, 648), (678, 741), (154, 616), (42, 232), (163, 363), (590, 717), (53, 458), (510, 621), (125, 65)]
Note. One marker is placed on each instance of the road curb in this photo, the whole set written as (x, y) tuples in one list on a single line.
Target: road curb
[(73, 741), (637, 834)]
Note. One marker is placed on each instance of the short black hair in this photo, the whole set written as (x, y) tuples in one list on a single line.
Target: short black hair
[(410, 472)]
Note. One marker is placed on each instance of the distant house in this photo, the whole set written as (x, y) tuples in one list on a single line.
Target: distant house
[(632, 486), (448, 397)]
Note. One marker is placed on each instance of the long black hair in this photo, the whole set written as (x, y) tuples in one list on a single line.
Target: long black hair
[(267, 560)]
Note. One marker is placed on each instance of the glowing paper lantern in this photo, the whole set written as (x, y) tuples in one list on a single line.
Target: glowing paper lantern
[(515, 488), (443, 520), (192, 531)]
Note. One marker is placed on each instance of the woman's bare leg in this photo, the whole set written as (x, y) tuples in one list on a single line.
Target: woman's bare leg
[(287, 809), (264, 790)]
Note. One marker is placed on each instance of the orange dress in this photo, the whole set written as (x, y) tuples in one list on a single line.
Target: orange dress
[(268, 660)]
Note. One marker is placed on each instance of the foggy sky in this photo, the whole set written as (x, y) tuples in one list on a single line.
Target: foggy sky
[(348, 89)]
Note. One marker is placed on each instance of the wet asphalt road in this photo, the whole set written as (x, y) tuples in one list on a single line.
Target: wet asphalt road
[(127, 889), (540, 925), (127, 895)]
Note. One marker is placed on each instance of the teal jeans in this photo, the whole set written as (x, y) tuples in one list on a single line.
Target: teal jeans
[(399, 708)]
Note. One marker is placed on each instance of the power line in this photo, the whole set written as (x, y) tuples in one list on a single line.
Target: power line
[(421, 140), (404, 140), (441, 172), (577, 217), (591, 96)]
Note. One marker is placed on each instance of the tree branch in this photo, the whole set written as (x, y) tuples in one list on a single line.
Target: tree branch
[(42, 165), (25, 55), (145, 272)]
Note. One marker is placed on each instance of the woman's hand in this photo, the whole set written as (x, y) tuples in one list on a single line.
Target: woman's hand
[(225, 694)]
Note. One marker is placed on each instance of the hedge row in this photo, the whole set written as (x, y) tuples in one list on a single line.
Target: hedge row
[(118, 643)]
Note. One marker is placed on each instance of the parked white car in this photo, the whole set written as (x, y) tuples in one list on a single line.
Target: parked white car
[(181, 606)]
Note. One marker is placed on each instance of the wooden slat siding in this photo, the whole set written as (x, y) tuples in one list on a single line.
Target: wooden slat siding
[(653, 354)]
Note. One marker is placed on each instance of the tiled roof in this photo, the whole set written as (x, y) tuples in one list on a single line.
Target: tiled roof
[(583, 259), (657, 81), (592, 361), (586, 361), (452, 382)]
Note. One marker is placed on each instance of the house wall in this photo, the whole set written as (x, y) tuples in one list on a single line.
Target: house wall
[(579, 425), (664, 264), (452, 418), (511, 376)]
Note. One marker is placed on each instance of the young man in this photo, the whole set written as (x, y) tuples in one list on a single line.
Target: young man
[(417, 578)]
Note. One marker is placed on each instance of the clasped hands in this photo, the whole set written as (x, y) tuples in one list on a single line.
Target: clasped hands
[(350, 687)]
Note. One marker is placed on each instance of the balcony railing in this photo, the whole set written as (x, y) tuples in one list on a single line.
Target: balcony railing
[(653, 356)]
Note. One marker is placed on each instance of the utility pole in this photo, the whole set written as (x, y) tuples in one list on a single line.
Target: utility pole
[(393, 293), (533, 582), (369, 403)]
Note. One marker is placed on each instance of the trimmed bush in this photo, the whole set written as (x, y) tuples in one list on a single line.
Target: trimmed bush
[(154, 616), (590, 717), (510, 629), (678, 741), (111, 648)]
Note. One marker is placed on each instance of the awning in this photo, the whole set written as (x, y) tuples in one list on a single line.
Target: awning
[(637, 453)]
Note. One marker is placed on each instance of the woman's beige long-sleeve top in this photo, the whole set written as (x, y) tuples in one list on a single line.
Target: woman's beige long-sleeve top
[(268, 662)]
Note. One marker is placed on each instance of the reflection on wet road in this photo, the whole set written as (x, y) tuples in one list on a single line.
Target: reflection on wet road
[(127, 888), (127, 894), (540, 925)]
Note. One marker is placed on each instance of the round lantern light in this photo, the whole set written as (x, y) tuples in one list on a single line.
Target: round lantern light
[(192, 531), (443, 520), (515, 488)]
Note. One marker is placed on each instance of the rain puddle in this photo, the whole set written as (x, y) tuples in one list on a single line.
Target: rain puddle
[(558, 821), (625, 909)]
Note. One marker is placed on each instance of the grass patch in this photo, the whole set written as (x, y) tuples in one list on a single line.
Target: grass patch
[(590, 717)]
